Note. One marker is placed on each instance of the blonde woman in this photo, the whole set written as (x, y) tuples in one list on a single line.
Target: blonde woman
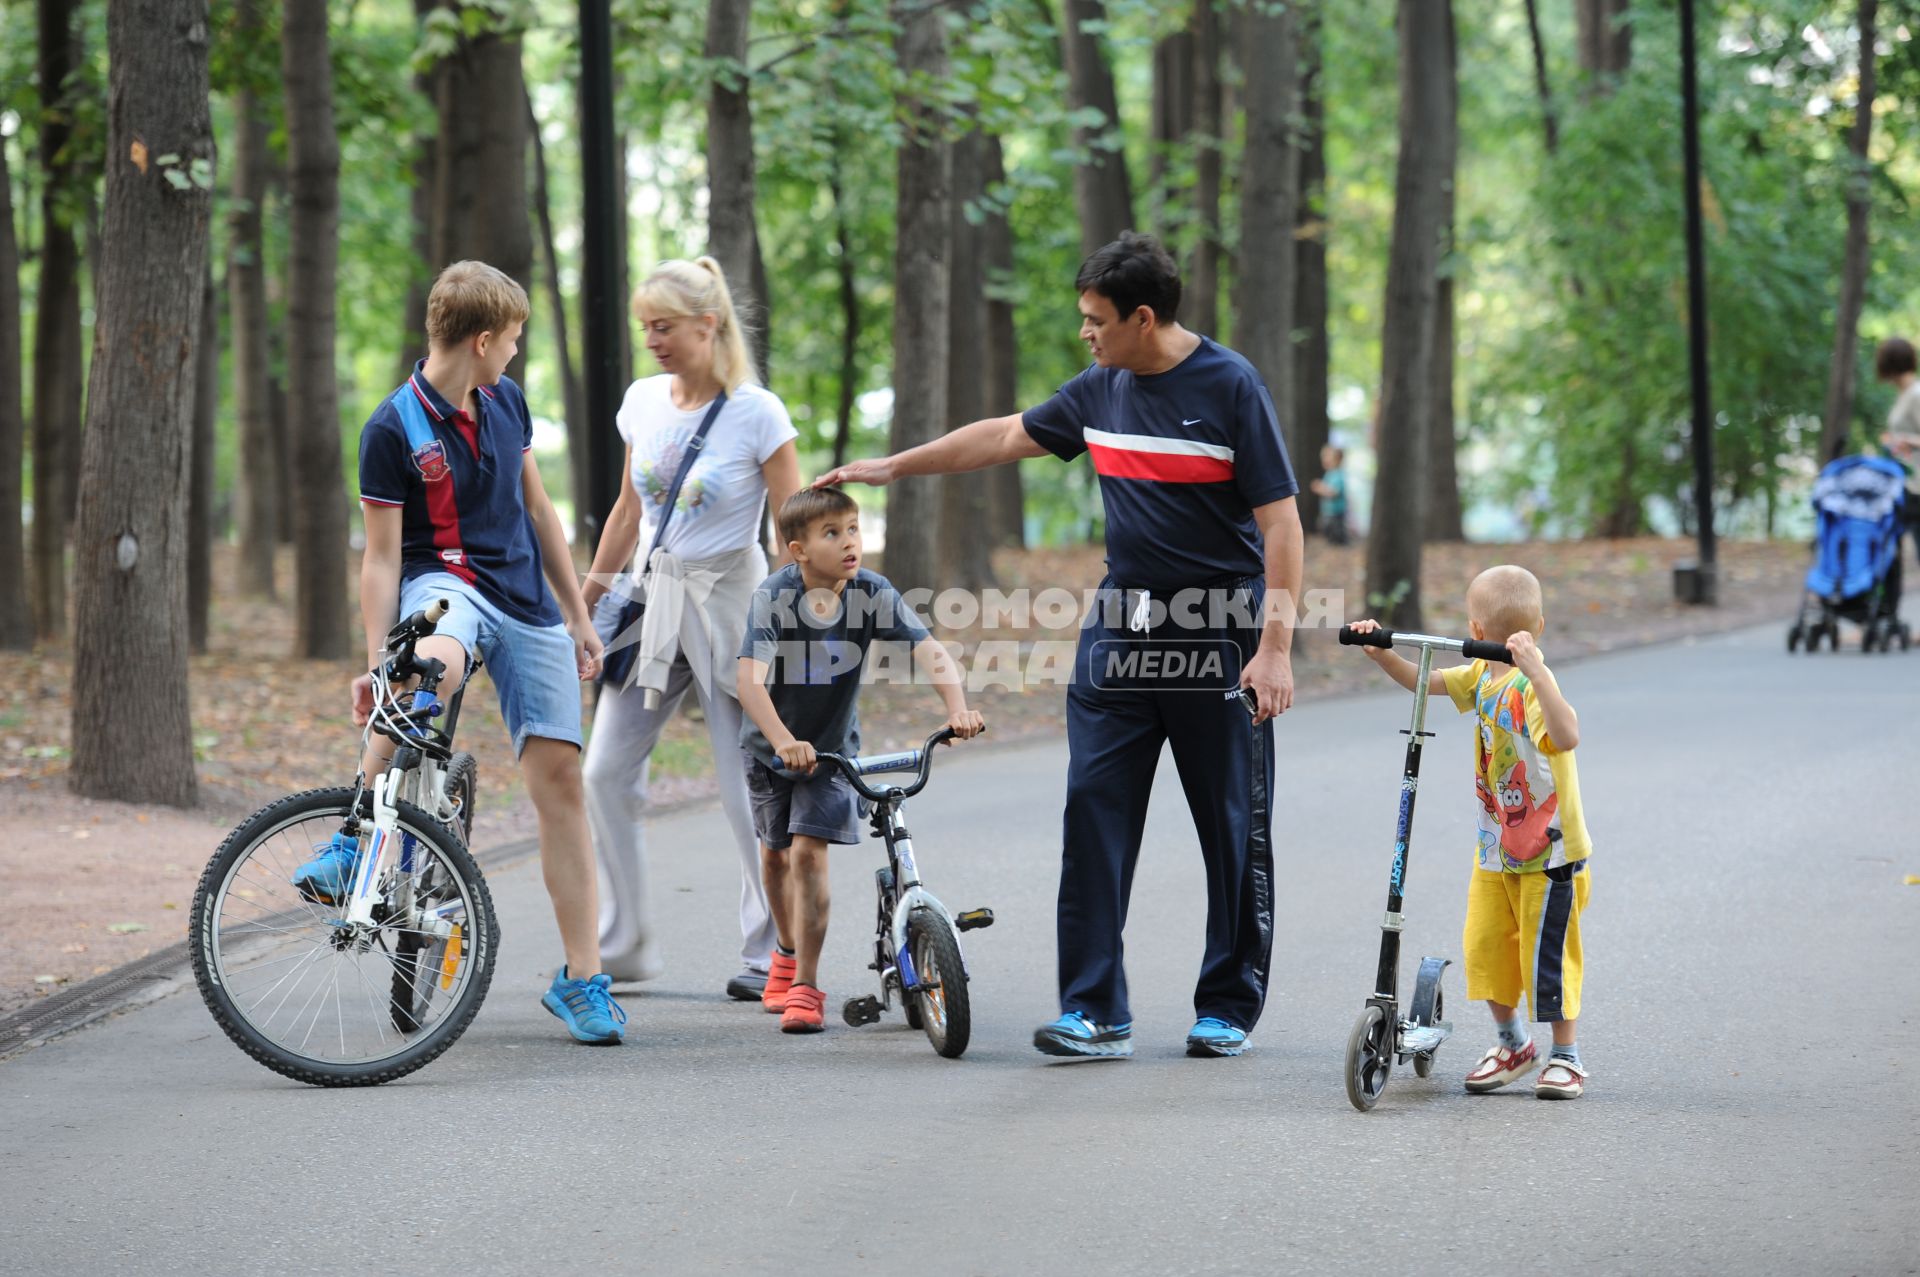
[(703, 576)]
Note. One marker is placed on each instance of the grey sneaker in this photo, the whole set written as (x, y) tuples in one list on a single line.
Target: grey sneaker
[(747, 986)]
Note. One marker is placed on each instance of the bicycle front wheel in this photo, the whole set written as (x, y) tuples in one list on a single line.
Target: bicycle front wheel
[(321, 1002), (940, 988)]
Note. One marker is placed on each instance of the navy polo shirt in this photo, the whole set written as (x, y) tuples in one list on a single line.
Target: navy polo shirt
[(1183, 458), (463, 509)]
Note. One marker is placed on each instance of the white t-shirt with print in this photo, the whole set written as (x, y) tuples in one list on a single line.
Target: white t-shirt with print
[(718, 510)]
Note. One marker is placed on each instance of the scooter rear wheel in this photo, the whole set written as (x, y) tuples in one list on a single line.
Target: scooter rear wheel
[(1369, 1058)]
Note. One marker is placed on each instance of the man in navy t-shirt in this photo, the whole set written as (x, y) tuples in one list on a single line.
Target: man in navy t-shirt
[(1193, 629)]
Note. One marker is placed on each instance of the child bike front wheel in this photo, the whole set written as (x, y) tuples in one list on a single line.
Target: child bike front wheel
[(940, 982), (317, 999)]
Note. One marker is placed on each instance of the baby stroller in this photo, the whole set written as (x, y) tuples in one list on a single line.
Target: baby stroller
[(1856, 570)]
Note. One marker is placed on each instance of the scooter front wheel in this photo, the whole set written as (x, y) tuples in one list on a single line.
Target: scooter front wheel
[(1369, 1058)]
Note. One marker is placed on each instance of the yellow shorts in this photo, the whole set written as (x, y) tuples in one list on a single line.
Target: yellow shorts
[(1523, 937)]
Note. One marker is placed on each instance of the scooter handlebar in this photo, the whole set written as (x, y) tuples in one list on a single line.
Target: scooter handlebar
[(1472, 649)]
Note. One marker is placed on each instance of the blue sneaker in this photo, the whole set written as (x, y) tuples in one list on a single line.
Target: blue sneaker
[(1212, 1036), (586, 1008), (328, 877), (1075, 1035)]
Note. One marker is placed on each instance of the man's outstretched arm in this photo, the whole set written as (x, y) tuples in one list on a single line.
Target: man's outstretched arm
[(991, 442)]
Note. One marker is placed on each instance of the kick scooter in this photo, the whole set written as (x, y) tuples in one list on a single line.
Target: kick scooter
[(1381, 1037)]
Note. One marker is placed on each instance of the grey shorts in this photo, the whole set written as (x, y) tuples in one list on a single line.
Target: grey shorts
[(822, 805)]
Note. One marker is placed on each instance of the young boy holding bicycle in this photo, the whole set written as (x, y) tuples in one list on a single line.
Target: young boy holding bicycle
[(810, 627), (455, 509), (1530, 884)]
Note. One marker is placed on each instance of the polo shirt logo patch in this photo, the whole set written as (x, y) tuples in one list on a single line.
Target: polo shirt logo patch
[(431, 461)]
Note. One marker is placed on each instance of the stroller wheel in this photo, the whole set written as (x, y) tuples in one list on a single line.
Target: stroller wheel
[(1833, 637), (1906, 638), (1870, 637), (1793, 638)]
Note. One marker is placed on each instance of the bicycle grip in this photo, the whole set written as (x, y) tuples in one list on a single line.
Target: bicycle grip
[(1350, 637), (1481, 650), (436, 609)]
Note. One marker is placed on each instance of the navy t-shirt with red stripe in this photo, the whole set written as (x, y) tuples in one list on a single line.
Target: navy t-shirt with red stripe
[(1183, 457), (463, 510)]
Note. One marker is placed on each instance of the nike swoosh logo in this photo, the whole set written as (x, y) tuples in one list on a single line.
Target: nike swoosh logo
[(1194, 422)]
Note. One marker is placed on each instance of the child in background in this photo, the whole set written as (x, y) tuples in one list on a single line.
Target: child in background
[(1331, 488), (1530, 884)]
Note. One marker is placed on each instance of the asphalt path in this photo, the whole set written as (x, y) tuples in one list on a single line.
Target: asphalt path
[(1753, 975)]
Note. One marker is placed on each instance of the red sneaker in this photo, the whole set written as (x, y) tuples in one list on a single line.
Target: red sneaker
[(779, 980), (1560, 1080), (1500, 1066), (806, 1010)]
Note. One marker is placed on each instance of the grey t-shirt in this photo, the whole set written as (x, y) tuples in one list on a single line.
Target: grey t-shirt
[(814, 665)]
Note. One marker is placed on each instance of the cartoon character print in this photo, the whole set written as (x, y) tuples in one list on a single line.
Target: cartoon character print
[(658, 474), (1524, 827)]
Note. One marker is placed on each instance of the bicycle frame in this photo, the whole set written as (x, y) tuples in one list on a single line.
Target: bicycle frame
[(909, 892)]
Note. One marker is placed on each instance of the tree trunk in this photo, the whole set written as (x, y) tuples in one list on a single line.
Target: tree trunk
[(206, 401), (132, 732), (920, 319), (1406, 342), (1309, 429), (480, 170), (732, 234), (1201, 307), (1444, 518), (1101, 190), (1269, 176), (257, 478), (1838, 418), (16, 616), (572, 393), (56, 326), (313, 395), (426, 153), (1605, 39), (849, 313), (1549, 118), (1172, 118), (278, 417), (965, 532), (1006, 498)]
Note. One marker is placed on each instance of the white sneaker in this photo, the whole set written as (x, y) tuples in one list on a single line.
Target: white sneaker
[(1560, 1080)]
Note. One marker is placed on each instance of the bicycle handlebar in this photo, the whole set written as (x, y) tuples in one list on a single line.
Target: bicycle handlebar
[(1472, 649), (919, 761)]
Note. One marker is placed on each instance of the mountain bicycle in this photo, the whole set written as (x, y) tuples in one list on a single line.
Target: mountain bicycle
[(364, 983), (916, 943)]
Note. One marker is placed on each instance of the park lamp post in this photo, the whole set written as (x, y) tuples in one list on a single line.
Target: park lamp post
[(1693, 582), (604, 311)]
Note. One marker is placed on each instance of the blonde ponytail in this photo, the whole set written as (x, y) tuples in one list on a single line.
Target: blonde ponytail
[(699, 288)]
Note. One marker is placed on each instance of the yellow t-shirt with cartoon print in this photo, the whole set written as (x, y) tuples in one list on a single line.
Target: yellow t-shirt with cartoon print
[(1529, 792)]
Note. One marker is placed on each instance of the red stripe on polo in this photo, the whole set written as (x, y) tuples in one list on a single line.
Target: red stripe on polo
[(1162, 467)]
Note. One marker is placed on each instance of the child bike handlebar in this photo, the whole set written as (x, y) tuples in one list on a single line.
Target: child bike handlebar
[(919, 761), (1472, 649)]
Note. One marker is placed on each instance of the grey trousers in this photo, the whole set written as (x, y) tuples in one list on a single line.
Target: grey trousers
[(616, 772)]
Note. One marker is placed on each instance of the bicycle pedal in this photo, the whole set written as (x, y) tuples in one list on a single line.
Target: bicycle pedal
[(859, 1011), (973, 919)]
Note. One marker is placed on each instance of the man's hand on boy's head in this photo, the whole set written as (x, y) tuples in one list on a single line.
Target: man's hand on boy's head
[(1526, 654), (798, 757), (876, 471), (966, 723)]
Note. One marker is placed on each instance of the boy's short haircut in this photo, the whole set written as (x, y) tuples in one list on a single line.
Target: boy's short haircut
[(1132, 272), (1505, 600), (806, 506), (1339, 453), (1894, 357), (470, 298)]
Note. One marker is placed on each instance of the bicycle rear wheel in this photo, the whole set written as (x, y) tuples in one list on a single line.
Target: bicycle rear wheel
[(315, 1000)]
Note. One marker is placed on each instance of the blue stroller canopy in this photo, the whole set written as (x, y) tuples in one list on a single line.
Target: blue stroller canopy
[(1858, 502)]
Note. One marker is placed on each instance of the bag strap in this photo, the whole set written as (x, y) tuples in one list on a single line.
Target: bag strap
[(687, 458)]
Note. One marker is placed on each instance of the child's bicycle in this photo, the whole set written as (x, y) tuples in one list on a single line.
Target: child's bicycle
[(1381, 1036), (916, 943), (372, 975)]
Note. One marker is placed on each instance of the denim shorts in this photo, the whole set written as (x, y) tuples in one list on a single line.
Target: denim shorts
[(822, 806), (532, 666)]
